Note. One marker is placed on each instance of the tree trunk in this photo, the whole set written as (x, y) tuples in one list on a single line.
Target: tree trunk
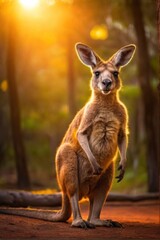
[(71, 77), (158, 23), (149, 98), (20, 156), (69, 42), (158, 87)]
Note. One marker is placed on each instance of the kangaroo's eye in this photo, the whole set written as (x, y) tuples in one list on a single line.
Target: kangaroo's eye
[(115, 74), (97, 73)]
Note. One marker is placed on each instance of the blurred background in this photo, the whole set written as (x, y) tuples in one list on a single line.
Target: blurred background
[(43, 84)]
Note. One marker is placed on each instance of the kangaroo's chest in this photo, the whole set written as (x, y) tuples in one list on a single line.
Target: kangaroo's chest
[(103, 136)]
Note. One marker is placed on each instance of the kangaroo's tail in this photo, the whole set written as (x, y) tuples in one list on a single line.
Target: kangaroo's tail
[(60, 216)]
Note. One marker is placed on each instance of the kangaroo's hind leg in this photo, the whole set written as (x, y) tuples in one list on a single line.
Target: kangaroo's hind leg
[(97, 199), (67, 174)]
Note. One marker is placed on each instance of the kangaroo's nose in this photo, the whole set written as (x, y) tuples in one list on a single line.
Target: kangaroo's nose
[(107, 83)]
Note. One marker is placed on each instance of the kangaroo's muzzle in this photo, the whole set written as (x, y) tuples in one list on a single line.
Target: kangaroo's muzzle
[(105, 86)]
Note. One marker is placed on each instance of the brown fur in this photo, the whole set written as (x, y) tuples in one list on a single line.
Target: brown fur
[(86, 156)]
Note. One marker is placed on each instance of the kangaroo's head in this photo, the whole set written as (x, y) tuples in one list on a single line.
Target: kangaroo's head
[(105, 74)]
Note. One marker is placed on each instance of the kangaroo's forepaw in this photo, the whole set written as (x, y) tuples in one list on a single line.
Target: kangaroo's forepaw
[(121, 168), (97, 170)]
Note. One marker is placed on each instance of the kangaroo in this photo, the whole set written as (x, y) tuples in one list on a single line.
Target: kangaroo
[(86, 157)]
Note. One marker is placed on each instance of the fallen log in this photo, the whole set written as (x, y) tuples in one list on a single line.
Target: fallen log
[(133, 198), (26, 199)]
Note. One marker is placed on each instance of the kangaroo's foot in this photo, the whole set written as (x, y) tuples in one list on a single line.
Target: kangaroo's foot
[(106, 223), (80, 223)]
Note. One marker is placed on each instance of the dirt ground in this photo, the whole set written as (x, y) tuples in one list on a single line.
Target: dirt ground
[(141, 220)]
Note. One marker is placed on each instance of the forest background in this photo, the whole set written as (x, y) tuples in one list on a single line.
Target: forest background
[(43, 84)]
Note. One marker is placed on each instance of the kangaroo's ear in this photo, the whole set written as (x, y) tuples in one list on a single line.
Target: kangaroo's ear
[(123, 56), (87, 55)]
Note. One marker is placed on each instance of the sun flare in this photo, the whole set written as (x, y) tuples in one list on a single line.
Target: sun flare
[(99, 32), (29, 4)]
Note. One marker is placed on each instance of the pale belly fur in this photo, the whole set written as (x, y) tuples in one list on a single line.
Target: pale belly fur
[(103, 143)]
